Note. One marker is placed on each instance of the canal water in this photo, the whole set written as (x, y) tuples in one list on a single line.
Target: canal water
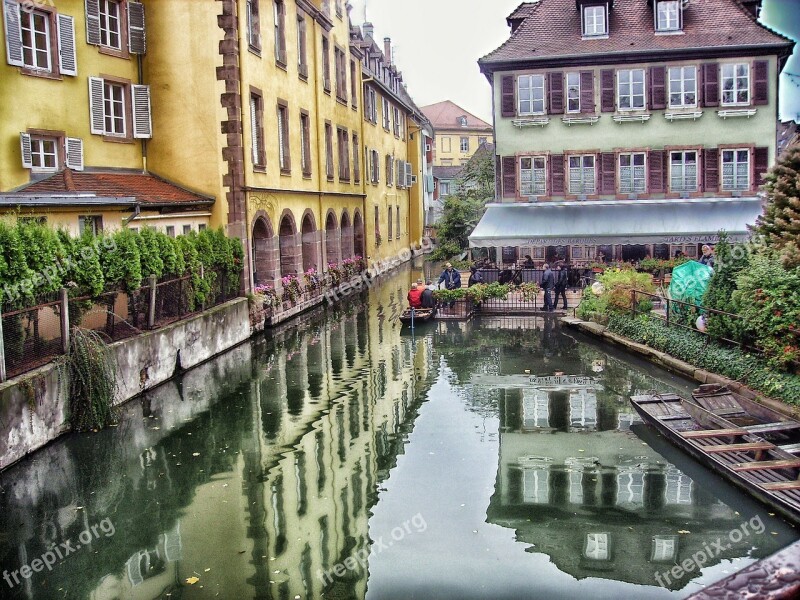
[(341, 456)]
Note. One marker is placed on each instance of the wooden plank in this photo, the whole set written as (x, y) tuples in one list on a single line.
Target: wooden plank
[(792, 448), (712, 433), (683, 417), (771, 427), (767, 464), (658, 400), (779, 486), (747, 447)]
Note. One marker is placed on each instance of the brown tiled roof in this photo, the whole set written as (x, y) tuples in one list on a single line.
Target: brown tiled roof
[(447, 173), (522, 11), (145, 187), (552, 29), (444, 115)]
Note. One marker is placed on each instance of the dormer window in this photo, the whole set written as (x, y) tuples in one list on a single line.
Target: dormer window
[(668, 15), (595, 20), (462, 121)]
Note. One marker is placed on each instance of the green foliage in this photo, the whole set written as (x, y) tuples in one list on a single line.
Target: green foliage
[(729, 262), (696, 349), (482, 291), (121, 261), (150, 260), (92, 374), (174, 263), (780, 223), (200, 287), (450, 295), (43, 251), (768, 298), (589, 305), (13, 266)]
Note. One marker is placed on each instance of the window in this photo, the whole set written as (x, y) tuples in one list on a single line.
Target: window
[(35, 29), (668, 15), (444, 188), (683, 171), (340, 63), (377, 222), (446, 147), (530, 90), (284, 157), (353, 84), (630, 89), (356, 160), (397, 222), (201, 227), (326, 64), (594, 20), (92, 223), (396, 115), (386, 114), (481, 141), (302, 54), (328, 151), (736, 169), (187, 229), (371, 105), (462, 121), (389, 221), (343, 143), (389, 175), (258, 153), (253, 29), (375, 167), (305, 144), (632, 173), (682, 87), (44, 153), (170, 230), (581, 174), (573, 92), (532, 176), (279, 10), (118, 108), (465, 144), (736, 83), (110, 29), (114, 108)]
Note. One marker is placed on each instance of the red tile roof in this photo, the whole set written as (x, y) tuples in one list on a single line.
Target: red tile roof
[(444, 115), (522, 11), (144, 187), (552, 29)]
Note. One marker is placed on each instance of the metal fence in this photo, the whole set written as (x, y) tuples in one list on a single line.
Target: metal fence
[(576, 277), (33, 336)]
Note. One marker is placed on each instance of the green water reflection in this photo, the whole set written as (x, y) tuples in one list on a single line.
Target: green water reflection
[(495, 459)]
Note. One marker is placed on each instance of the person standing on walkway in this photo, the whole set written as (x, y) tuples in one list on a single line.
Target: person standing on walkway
[(708, 256), (548, 283), (561, 287), (475, 276), (451, 279)]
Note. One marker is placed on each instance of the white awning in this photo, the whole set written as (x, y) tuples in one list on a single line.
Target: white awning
[(671, 221)]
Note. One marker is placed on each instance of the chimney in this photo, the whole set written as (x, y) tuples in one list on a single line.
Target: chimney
[(369, 29), (387, 49)]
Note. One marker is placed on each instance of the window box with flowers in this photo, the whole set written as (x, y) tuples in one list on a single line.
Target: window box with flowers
[(291, 289), (311, 282)]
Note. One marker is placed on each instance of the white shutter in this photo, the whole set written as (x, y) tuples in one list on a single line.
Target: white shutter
[(96, 113), (409, 181), (74, 152), (137, 39), (142, 124), (25, 146), (66, 45), (13, 33), (93, 22), (254, 129)]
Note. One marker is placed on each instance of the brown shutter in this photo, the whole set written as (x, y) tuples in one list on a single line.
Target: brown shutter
[(657, 176), (509, 176), (608, 169), (761, 160), (498, 192), (607, 94), (658, 88), (761, 82), (556, 88), (711, 84), (700, 88), (508, 103), (557, 174), (587, 91), (711, 170)]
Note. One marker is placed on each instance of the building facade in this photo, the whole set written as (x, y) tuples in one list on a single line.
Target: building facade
[(647, 103), (457, 133)]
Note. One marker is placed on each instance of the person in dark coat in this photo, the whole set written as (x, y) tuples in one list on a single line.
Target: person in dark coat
[(428, 301), (708, 256), (475, 276), (451, 278), (548, 283), (561, 286)]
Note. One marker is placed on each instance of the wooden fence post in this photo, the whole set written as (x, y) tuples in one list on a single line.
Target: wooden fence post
[(2, 350), (668, 311), (64, 320), (151, 315), (633, 302)]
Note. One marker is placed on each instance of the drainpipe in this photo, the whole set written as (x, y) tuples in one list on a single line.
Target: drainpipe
[(244, 109)]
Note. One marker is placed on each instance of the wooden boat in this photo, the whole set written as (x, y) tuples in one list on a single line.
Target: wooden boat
[(421, 315), (746, 459)]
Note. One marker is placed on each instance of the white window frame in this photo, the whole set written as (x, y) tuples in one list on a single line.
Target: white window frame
[(591, 25), (284, 151), (632, 177), (31, 48), (682, 176), (112, 103), (387, 119), (730, 161), (739, 83), (532, 84), (588, 185), (572, 83), (667, 20), (444, 188), (38, 153), (464, 144), (630, 75), (685, 85), (532, 176), (106, 21)]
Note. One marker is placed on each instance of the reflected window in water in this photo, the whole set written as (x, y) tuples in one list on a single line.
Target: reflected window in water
[(583, 408), (576, 487), (678, 487), (300, 477), (536, 486), (665, 548), (535, 409), (630, 488), (596, 546)]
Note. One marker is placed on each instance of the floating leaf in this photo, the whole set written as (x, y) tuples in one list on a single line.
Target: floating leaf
[(192, 580), (684, 531)]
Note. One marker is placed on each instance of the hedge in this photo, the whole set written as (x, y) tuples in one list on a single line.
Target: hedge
[(698, 350)]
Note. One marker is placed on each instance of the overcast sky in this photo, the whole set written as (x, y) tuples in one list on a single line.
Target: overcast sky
[(438, 43)]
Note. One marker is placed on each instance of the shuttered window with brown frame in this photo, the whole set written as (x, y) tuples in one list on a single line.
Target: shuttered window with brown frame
[(710, 84), (607, 92), (280, 32), (356, 160), (326, 64), (658, 87), (557, 174), (587, 92), (711, 170), (608, 184), (302, 47), (305, 144), (329, 151), (761, 162), (508, 100), (657, 171), (509, 176), (284, 156), (761, 82), (555, 87)]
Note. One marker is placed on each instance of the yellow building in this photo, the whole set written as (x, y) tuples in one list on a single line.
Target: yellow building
[(76, 120), (457, 133)]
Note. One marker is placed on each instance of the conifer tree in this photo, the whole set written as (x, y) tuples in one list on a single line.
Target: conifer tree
[(780, 223)]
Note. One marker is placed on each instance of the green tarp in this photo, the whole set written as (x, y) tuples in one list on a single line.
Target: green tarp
[(689, 282)]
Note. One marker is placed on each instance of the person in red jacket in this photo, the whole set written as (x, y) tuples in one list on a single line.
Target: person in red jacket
[(415, 296)]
